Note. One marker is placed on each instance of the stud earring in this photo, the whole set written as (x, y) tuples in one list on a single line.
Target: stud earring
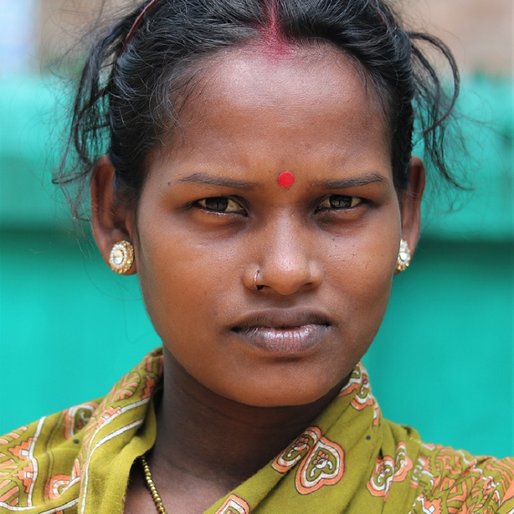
[(121, 258), (404, 256)]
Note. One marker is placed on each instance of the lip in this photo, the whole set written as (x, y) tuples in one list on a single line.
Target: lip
[(284, 331)]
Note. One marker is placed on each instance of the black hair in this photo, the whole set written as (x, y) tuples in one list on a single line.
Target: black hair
[(128, 89)]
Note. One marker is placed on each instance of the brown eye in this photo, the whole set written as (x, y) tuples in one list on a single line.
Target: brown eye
[(220, 204), (339, 202)]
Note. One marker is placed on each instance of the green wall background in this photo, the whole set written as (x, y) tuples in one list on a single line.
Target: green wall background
[(442, 362)]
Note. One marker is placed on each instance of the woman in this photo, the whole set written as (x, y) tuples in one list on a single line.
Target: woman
[(259, 179)]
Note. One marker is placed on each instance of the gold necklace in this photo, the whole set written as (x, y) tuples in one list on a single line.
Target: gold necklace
[(156, 497)]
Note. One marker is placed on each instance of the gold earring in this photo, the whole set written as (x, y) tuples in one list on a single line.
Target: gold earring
[(404, 256), (121, 258)]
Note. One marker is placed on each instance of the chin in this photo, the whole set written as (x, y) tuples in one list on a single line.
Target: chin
[(285, 392)]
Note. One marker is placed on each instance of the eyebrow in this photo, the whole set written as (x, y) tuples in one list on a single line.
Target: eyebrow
[(362, 180), (212, 180), (204, 178)]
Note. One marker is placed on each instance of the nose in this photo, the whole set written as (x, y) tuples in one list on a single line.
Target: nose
[(287, 261)]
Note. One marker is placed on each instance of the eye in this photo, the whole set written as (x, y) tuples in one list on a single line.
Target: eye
[(339, 202), (220, 204)]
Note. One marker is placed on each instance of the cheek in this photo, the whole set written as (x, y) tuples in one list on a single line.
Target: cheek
[(183, 283), (361, 274), (371, 246), (171, 279)]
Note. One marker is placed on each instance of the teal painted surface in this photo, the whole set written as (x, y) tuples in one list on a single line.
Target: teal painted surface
[(443, 360), (487, 128), (31, 122)]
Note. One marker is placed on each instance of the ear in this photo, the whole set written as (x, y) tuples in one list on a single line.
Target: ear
[(111, 220), (411, 203)]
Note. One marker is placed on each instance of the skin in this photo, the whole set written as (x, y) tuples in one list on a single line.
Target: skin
[(324, 250)]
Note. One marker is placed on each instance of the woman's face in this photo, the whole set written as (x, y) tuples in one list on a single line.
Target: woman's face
[(212, 219)]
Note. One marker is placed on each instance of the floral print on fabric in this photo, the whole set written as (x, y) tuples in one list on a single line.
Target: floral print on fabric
[(456, 482), (234, 505), (45, 466), (348, 460), (324, 465), (322, 461), (389, 469), (360, 389), (18, 467)]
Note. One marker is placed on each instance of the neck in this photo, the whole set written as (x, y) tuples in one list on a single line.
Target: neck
[(204, 434)]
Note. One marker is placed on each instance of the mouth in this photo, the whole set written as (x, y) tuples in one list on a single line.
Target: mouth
[(284, 332)]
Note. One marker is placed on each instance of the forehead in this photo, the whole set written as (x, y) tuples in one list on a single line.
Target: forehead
[(264, 74), (313, 95)]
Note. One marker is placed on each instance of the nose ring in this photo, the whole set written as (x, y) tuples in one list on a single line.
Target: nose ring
[(257, 287)]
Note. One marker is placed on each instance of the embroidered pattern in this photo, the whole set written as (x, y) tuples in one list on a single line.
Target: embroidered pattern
[(388, 470), (234, 505), (453, 482), (18, 467), (76, 418), (56, 486), (297, 450), (360, 388), (322, 461), (324, 465), (89, 423)]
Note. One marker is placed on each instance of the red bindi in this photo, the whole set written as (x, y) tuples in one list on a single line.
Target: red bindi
[(286, 179)]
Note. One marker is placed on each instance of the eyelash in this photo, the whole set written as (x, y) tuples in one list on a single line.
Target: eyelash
[(355, 201), (223, 202)]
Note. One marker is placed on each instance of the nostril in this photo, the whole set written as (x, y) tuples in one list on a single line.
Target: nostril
[(286, 280)]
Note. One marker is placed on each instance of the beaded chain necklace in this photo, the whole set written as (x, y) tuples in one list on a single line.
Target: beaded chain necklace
[(150, 484)]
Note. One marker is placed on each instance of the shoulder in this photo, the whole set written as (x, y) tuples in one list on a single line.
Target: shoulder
[(48, 463), (38, 461), (441, 480), (449, 480)]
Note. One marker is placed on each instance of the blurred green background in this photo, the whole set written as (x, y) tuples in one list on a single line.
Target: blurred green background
[(442, 362)]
